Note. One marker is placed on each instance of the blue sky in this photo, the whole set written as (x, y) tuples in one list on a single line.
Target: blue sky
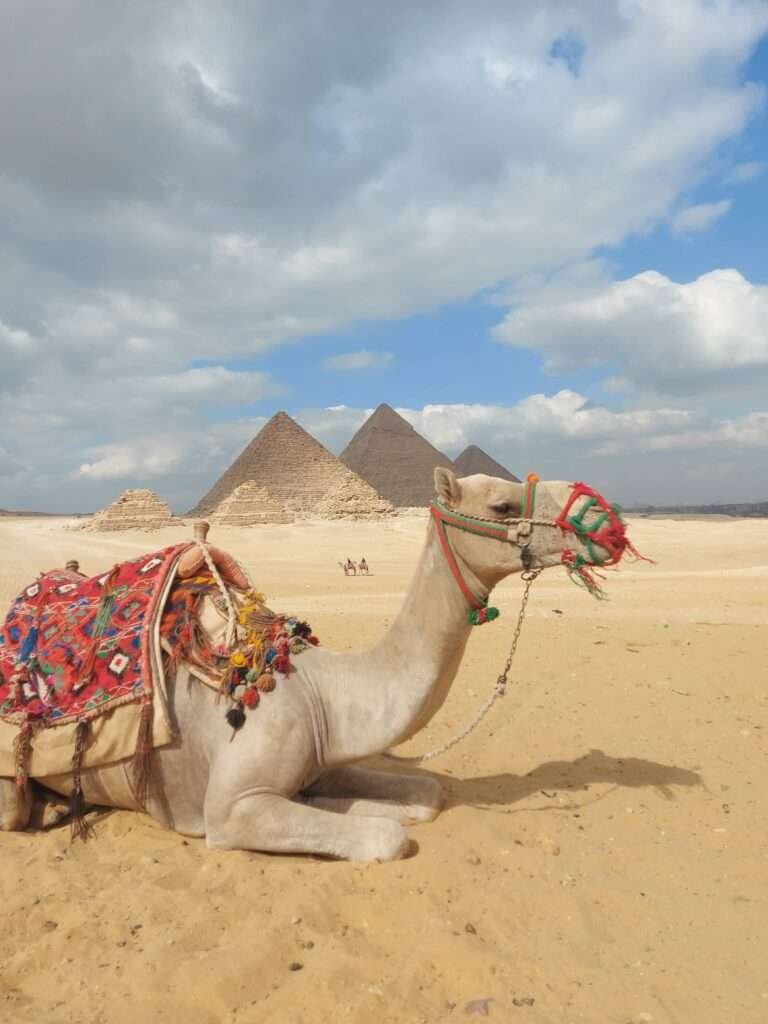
[(540, 231)]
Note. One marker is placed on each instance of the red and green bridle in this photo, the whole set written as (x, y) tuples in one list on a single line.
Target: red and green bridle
[(608, 532)]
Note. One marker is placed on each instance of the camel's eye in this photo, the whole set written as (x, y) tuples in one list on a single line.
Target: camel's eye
[(503, 508)]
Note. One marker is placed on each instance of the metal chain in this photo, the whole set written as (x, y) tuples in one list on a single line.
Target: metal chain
[(500, 687)]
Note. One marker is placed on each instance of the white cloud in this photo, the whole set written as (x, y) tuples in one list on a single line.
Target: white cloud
[(129, 461), (563, 416), (663, 335), (360, 360), (699, 217), (253, 206), (741, 173)]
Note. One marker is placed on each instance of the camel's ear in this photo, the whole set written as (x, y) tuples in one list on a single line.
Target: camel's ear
[(447, 487)]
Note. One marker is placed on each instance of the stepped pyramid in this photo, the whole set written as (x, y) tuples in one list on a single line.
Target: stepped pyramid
[(298, 472), (475, 460), (135, 509), (388, 453), (248, 505)]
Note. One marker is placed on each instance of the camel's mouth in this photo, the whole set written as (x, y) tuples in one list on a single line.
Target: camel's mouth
[(601, 532)]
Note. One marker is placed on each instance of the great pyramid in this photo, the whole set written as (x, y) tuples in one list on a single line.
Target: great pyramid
[(388, 453), (248, 505), (135, 509), (475, 460), (299, 473)]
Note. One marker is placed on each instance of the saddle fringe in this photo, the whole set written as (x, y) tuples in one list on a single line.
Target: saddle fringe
[(79, 826)]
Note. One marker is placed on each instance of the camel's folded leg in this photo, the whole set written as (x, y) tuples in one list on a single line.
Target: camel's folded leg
[(352, 790), (275, 824), (15, 805), (32, 806)]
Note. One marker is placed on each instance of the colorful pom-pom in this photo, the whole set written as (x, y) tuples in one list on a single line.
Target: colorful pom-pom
[(236, 717), (251, 697), (265, 682)]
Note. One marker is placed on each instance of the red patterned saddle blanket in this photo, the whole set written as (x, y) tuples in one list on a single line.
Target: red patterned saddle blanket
[(73, 648)]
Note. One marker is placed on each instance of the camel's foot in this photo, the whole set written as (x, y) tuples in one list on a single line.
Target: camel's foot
[(275, 824), (48, 810), (409, 799), (15, 806)]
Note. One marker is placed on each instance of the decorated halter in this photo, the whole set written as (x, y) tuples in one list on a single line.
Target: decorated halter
[(608, 532)]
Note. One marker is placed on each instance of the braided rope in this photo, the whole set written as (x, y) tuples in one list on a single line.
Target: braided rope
[(231, 613), (499, 688)]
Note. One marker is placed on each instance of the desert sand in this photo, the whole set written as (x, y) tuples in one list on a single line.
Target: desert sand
[(602, 855)]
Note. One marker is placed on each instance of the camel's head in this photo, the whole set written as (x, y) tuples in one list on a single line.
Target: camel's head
[(514, 526)]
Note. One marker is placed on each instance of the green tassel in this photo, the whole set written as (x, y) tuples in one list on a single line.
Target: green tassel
[(480, 615)]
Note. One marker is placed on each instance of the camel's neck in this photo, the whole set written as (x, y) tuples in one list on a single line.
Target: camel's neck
[(376, 698)]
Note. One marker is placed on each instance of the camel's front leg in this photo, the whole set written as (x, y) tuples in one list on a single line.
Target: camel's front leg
[(276, 824), (409, 799)]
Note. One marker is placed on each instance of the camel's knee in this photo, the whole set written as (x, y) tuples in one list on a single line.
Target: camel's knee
[(15, 806)]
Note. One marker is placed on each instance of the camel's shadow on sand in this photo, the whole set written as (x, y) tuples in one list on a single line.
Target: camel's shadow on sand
[(554, 780)]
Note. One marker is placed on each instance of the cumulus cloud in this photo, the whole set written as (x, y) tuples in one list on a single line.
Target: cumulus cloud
[(664, 335), (124, 461), (360, 360), (699, 217), (206, 179)]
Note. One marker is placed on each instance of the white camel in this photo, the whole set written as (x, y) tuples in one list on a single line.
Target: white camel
[(291, 780)]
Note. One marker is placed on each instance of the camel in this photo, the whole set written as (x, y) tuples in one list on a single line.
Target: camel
[(293, 778), (348, 567)]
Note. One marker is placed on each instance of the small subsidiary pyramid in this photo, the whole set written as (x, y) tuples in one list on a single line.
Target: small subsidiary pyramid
[(135, 509), (397, 461), (298, 472), (474, 460), (249, 505)]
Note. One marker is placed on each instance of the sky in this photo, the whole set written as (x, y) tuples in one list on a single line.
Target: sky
[(535, 227)]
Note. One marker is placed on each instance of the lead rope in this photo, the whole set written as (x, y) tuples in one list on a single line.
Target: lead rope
[(499, 689)]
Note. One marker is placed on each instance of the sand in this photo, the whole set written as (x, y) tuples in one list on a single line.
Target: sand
[(602, 857)]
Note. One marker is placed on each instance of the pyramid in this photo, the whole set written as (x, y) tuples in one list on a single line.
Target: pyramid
[(248, 505), (388, 453), (135, 509), (298, 472), (474, 460)]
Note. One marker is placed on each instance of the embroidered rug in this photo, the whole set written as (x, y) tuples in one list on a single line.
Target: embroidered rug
[(74, 649)]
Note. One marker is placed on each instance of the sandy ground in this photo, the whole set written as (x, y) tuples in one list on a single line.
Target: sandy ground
[(602, 857)]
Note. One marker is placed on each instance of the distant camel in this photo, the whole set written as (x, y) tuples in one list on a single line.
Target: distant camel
[(362, 566), (349, 567)]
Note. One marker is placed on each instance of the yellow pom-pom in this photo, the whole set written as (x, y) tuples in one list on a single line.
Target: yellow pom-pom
[(238, 659)]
